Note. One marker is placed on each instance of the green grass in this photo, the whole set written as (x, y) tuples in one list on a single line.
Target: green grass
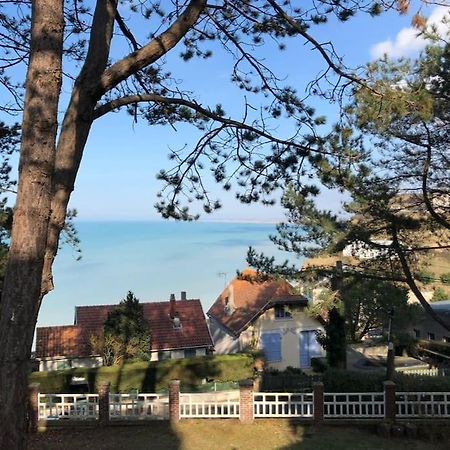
[(223, 434)]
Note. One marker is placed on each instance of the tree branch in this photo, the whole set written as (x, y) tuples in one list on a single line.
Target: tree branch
[(153, 50)]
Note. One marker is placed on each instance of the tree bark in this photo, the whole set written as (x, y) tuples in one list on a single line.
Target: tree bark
[(22, 286)]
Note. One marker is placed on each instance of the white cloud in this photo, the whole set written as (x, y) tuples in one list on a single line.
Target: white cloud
[(407, 41)]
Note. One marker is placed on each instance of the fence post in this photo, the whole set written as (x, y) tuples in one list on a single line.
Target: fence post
[(103, 403), (390, 407), (174, 401), (33, 407), (318, 405), (246, 410)]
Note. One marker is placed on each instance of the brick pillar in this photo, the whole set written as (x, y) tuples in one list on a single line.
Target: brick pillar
[(33, 407), (246, 410), (174, 401), (103, 403), (390, 407), (318, 406)]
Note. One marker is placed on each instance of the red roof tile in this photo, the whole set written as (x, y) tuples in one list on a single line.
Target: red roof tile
[(66, 340), (249, 298), (89, 320)]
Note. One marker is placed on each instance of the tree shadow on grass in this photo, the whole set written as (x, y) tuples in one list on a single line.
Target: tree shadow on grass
[(153, 435)]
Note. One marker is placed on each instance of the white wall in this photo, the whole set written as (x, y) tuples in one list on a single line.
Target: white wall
[(59, 363), (290, 329), (224, 343)]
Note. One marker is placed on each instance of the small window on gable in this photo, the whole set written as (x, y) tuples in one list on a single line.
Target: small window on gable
[(176, 322), (281, 312)]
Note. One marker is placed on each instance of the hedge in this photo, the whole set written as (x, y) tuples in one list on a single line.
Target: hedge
[(153, 376), (349, 381), (439, 347)]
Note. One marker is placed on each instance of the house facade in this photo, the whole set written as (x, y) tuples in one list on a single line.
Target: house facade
[(430, 330), (178, 330), (266, 315)]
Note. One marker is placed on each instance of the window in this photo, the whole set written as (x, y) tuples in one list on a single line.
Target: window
[(271, 346), (64, 364), (431, 336), (163, 355), (190, 353), (416, 333), (446, 338), (281, 312)]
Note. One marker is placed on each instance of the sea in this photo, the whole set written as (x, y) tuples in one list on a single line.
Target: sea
[(153, 260)]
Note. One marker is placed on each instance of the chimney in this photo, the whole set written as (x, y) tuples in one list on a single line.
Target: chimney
[(183, 295), (172, 306)]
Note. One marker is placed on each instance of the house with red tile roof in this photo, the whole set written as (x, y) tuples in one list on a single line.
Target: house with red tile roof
[(178, 330), (266, 314)]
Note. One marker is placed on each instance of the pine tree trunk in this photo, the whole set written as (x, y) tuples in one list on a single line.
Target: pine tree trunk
[(22, 286)]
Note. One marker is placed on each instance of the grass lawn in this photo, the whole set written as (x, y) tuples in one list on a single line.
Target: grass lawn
[(222, 434)]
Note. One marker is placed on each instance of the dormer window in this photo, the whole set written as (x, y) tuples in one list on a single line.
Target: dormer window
[(228, 308), (282, 312), (176, 322)]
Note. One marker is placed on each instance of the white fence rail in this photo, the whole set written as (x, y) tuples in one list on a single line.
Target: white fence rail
[(359, 405), (220, 405), (138, 406), (282, 405), (423, 404), (68, 406)]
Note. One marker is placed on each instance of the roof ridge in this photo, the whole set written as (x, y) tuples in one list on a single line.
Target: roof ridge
[(141, 303)]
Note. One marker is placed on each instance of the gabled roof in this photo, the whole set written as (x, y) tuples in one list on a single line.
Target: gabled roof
[(51, 341), (67, 340), (248, 298)]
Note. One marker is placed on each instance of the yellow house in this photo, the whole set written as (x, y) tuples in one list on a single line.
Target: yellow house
[(264, 314)]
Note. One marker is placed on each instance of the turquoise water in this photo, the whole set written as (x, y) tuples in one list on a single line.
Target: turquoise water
[(152, 259)]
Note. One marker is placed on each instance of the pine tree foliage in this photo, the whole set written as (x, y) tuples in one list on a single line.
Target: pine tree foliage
[(390, 158)]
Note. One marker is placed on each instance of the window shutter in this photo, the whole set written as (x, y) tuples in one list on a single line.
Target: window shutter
[(271, 345)]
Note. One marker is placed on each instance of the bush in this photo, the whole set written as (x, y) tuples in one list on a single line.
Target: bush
[(151, 377), (319, 364), (439, 295), (445, 278), (425, 276)]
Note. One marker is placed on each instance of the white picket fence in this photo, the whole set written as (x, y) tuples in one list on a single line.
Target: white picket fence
[(121, 406), (423, 404), (223, 405), (138, 406), (68, 406), (363, 405), (420, 371), (282, 405), (359, 405)]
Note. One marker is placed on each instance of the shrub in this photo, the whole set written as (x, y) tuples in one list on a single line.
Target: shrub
[(319, 364), (445, 278), (425, 276), (439, 295)]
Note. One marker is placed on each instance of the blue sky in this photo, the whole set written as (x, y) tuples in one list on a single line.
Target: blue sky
[(117, 181), (117, 176)]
